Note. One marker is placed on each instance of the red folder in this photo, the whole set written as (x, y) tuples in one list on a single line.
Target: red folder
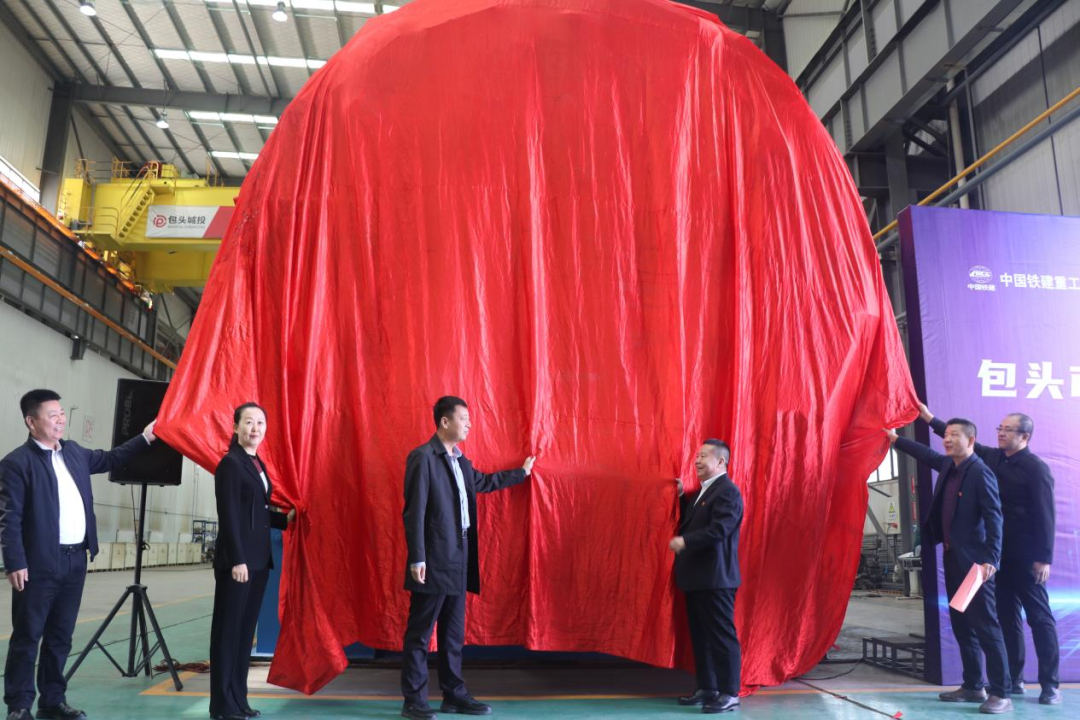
[(968, 588)]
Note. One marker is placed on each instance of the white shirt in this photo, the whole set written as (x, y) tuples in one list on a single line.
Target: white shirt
[(72, 508), (463, 498), (705, 486)]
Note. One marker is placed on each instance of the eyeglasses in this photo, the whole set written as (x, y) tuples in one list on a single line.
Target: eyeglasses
[(1005, 429)]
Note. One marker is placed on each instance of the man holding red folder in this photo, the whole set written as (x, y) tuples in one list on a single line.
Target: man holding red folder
[(965, 517)]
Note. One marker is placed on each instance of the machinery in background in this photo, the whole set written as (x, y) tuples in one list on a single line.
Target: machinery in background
[(159, 230)]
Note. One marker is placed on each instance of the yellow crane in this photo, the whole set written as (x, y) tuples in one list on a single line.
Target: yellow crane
[(158, 229)]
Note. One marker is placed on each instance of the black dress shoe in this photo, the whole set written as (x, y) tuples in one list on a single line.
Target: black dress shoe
[(229, 716), (1018, 688), (700, 697), (467, 705), (1050, 696), (418, 711), (20, 714), (250, 712), (724, 703), (63, 711)]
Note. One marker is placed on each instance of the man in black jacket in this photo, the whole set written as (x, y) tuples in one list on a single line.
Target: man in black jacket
[(443, 562), (1027, 548), (47, 525), (965, 517), (707, 571)]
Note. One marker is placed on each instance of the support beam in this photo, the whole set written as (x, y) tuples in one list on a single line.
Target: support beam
[(897, 174), (925, 173), (178, 99), (56, 140), (737, 17), (908, 69)]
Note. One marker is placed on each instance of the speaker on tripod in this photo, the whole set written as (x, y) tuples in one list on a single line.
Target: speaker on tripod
[(137, 404)]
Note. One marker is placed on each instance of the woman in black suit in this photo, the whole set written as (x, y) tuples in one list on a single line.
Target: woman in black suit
[(242, 561)]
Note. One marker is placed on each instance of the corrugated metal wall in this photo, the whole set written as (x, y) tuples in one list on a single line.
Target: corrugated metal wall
[(806, 26), (92, 147), (1039, 71), (25, 95), (40, 358)]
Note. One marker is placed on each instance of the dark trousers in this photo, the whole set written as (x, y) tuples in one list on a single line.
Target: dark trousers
[(1016, 588), (977, 632), (424, 611), (232, 630), (44, 612), (717, 657)]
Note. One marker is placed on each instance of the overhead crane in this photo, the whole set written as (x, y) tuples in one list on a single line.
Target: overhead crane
[(161, 231)]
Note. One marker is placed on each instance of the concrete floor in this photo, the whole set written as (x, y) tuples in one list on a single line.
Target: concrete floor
[(182, 597)]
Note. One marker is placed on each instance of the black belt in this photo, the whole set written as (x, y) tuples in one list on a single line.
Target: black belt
[(72, 549)]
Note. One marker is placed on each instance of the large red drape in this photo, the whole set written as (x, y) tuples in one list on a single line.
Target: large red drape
[(616, 229)]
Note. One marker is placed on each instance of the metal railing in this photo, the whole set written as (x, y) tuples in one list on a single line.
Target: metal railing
[(45, 273)]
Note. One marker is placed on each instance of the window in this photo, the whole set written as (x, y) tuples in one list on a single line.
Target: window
[(886, 471)]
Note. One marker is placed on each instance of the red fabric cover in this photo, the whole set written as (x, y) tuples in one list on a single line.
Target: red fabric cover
[(616, 229)]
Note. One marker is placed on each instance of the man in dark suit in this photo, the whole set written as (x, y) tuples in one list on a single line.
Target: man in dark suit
[(1027, 548), (47, 525), (707, 571), (965, 517), (443, 557)]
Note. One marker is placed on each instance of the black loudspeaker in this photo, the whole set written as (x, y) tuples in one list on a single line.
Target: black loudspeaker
[(137, 403)]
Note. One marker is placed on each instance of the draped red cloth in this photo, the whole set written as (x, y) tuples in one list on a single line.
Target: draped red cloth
[(615, 228)]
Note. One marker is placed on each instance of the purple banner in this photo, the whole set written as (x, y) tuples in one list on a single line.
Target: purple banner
[(994, 324)]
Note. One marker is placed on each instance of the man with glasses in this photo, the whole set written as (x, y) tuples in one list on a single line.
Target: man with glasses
[(1027, 503)]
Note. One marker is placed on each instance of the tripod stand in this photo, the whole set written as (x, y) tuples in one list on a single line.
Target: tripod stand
[(140, 611)]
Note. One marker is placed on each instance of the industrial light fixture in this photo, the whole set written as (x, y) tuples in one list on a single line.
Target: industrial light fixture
[(163, 121), (226, 155), (86, 7), (209, 57), (280, 15)]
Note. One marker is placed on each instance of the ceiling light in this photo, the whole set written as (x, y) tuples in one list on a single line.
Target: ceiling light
[(211, 57), (232, 117), (233, 155), (163, 122), (280, 15), (346, 6), (86, 7), (207, 56), (172, 54)]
